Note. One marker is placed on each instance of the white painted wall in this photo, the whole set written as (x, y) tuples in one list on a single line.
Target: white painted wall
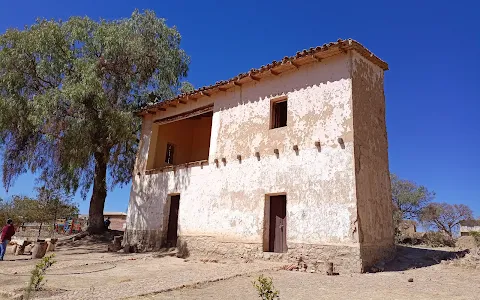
[(228, 202)]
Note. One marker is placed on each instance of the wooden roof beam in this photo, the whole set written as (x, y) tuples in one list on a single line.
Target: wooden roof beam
[(271, 71), (296, 65), (256, 78), (237, 83), (316, 58), (343, 49), (172, 105), (205, 94), (182, 102), (223, 89)]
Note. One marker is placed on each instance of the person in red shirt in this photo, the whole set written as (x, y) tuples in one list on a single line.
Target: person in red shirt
[(7, 232)]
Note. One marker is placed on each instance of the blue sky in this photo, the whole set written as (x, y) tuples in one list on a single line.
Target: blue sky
[(432, 88)]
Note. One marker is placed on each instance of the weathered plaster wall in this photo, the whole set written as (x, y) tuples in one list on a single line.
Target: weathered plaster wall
[(224, 205), (371, 162)]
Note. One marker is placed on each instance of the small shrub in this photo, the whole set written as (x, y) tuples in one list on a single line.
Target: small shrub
[(411, 239), (476, 236), (38, 275), (265, 288), (438, 239)]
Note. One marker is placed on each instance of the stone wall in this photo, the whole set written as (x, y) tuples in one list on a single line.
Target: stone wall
[(346, 258)]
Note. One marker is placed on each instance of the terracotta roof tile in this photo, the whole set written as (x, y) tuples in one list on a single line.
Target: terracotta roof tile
[(335, 47)]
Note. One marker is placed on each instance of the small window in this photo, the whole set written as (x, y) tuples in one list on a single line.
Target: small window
[(169, 155), (279, 114)]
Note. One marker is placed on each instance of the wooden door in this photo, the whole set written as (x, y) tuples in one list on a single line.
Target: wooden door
[(278, 224), (172, 233)]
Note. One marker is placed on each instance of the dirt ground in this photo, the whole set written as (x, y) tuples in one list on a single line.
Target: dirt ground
[(84, 270)]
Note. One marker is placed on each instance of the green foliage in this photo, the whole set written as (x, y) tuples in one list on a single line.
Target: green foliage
[(68, 91), (445, 217), (408, 198), (186, 87), (6, 212), (46, 207), (38, 275), (265, 288)]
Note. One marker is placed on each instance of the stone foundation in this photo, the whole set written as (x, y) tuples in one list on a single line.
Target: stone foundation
[(145, 240), (346, 259)]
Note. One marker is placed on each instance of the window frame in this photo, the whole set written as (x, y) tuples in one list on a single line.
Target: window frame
[(273, 112), (167, 156)]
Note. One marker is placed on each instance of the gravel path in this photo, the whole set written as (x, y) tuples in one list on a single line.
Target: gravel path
[(150, 275), (82, 274), (435, 282)]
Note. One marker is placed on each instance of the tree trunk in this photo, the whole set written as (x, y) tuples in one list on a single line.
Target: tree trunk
[(39, 230), (54, 219), (97, 202)]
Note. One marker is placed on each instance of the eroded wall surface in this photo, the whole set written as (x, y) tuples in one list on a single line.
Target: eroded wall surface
[(223, 206), (373, 188)]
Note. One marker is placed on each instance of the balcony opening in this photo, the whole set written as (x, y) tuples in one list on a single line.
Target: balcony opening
[(179, 142)]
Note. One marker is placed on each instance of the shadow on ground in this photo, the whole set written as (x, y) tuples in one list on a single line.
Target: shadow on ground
[(413, 257)]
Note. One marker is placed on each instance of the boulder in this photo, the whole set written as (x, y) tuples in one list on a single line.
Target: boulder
[(12, 249), (51, 244), (28, 249), (39, 249), (116, 244)]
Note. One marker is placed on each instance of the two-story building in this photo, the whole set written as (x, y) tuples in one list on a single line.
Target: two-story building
[(283, 161)]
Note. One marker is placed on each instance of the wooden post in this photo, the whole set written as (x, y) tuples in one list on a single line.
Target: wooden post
[(329, 268)]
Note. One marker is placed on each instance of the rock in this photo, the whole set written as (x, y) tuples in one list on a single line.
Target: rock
[(410, 280), (28, 249), (12, 249), (20, 250), (39, 250), (51, 244), (130, 248), (116, 244)]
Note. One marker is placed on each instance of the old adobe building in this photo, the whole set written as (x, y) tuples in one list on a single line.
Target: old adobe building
[(284, 161)]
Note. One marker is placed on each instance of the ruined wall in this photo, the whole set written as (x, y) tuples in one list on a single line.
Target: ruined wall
[(465, 230), (225, 205), (371, 162)]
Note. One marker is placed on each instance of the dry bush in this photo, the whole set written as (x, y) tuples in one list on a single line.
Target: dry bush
[(437, 239), (476, 236)]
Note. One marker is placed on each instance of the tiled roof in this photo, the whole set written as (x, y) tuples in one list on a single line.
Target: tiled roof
[(274, 68)]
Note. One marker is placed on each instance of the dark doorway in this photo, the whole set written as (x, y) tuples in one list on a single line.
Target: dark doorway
[(277, 241), (172, 234)]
